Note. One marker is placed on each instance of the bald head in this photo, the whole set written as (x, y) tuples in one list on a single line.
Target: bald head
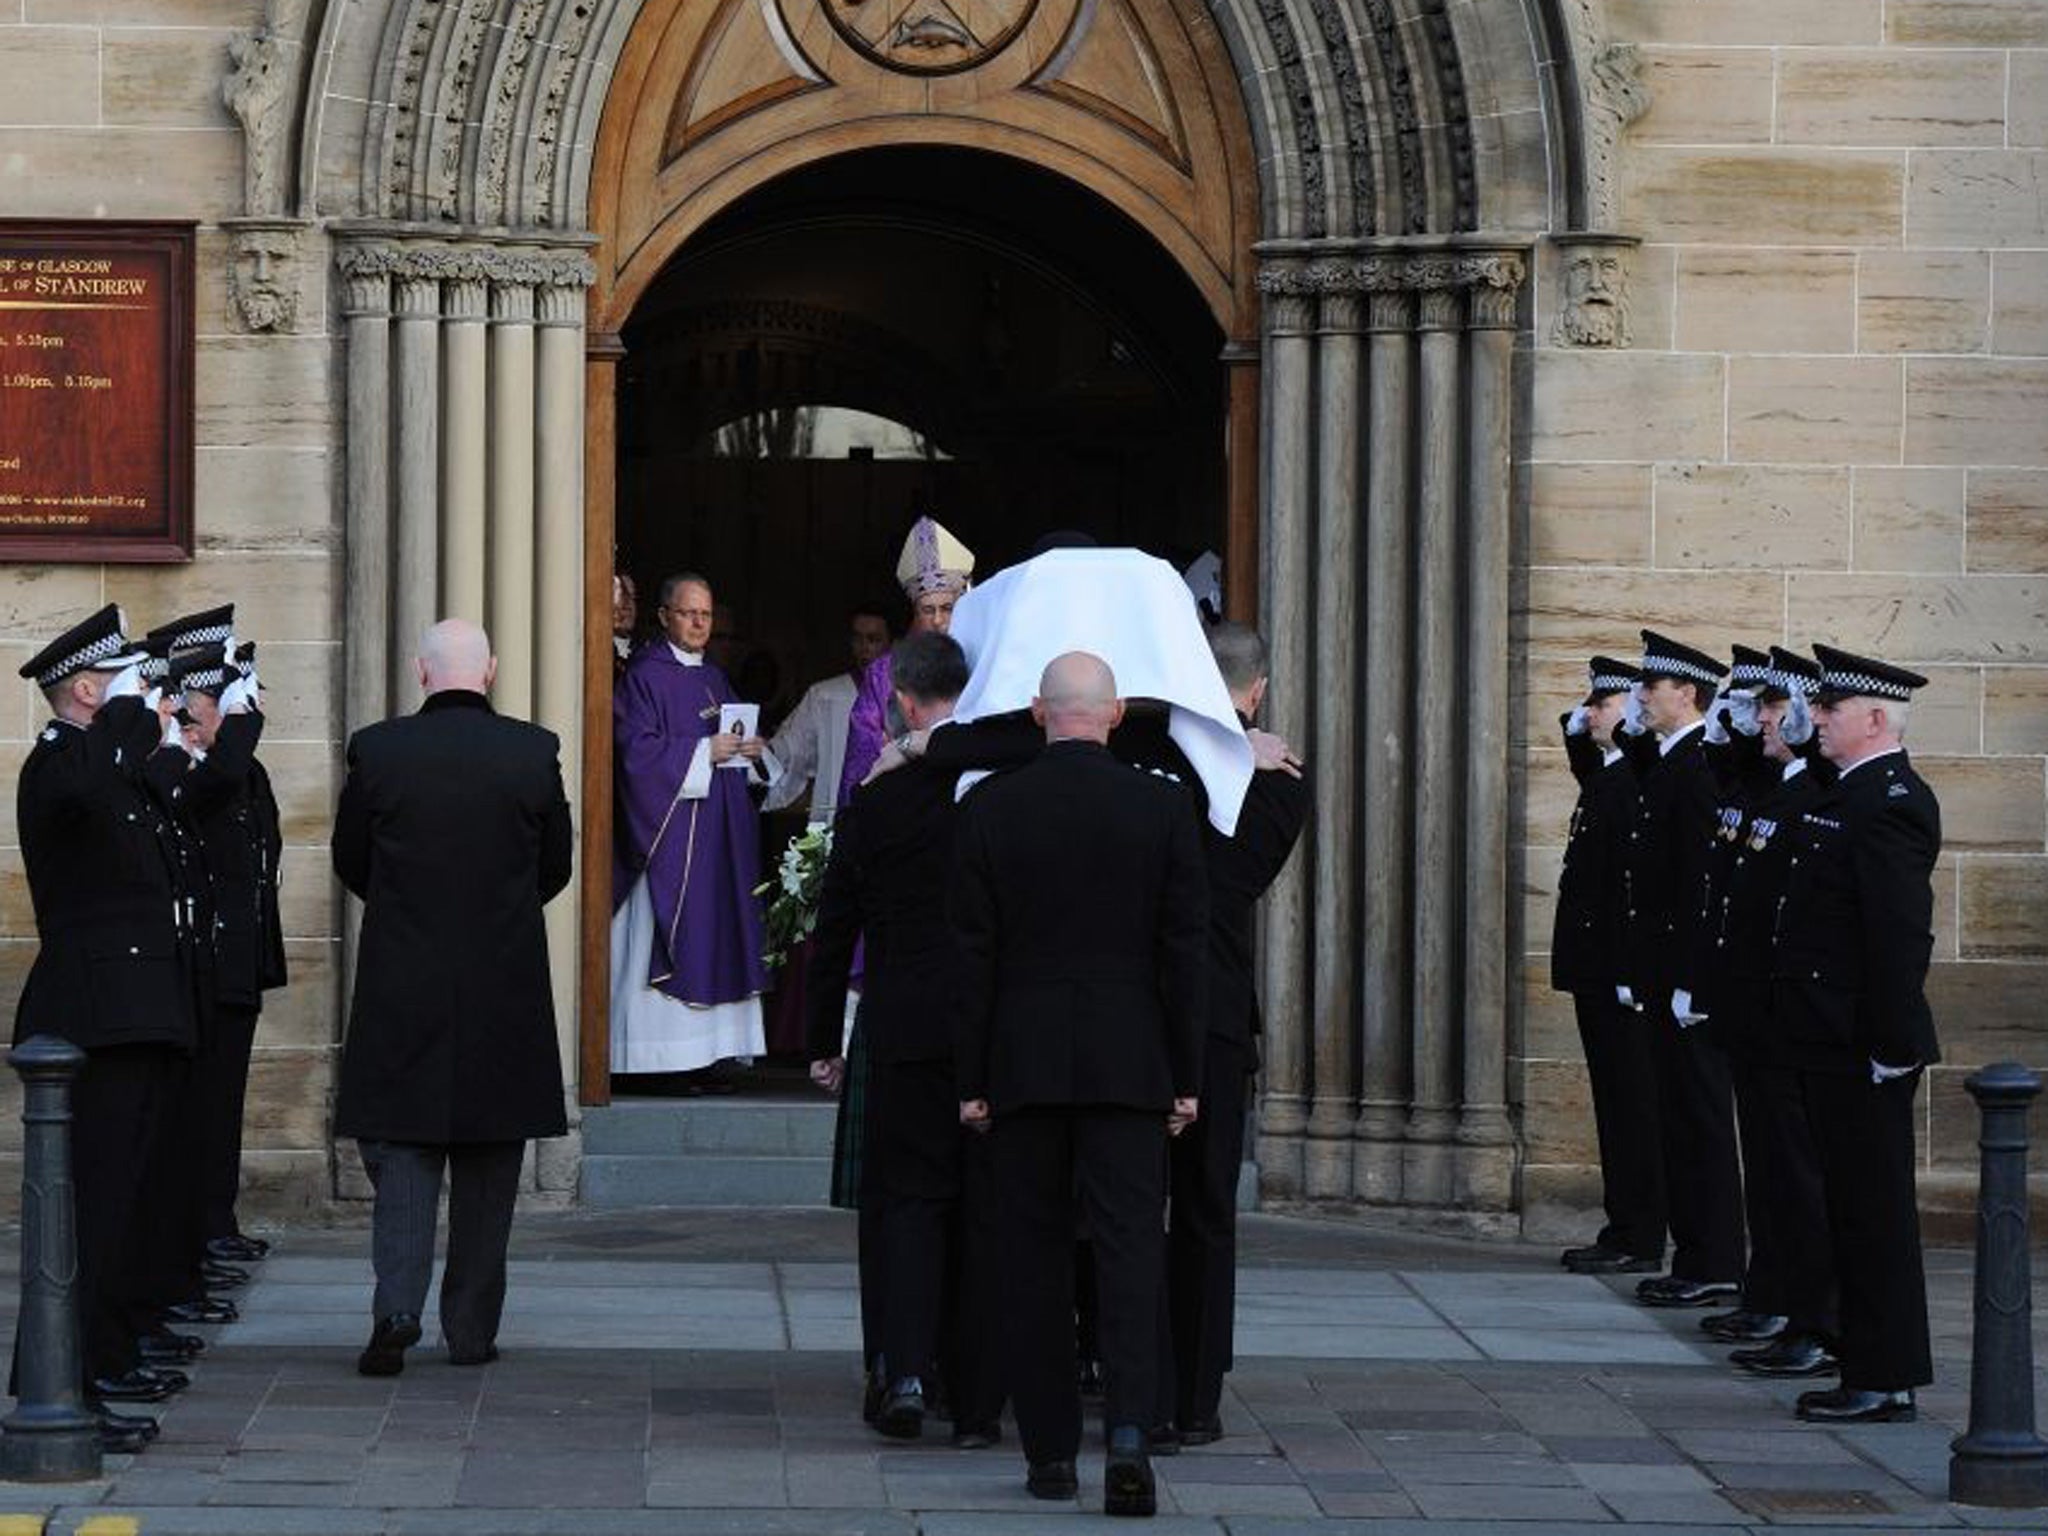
[(456, 654), (1077, 698)]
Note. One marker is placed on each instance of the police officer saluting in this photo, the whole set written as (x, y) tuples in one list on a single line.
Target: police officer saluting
[(1849, 1002), (112, 975)]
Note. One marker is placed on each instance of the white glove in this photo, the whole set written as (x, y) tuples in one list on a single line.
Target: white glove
[(153, 701), (1575, 723), (1625, 997), (238, 698), (1741, 706), (1633, 721), (125, 684), (1880, 1073), (1796, 729), (1682, 1010), (174, 733), (1716, 733)]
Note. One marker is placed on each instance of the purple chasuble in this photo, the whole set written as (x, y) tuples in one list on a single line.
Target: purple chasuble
[(867, 727), (702, 857)]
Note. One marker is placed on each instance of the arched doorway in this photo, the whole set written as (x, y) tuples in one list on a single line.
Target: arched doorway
[(1024, 241)]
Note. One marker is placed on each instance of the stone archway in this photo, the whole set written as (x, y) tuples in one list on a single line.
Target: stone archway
[(1404, 157)]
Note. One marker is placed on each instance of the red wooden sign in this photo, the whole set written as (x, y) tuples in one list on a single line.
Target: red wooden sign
[(96, 391)]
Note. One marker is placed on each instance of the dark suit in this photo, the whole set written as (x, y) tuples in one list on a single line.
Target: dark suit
[(114, 977), (1208, 1155), (1789, 1272), (892, 854), (230, 801), (1081, 907), (1678, 798), (1848, 987), (454, 830), (1589, 959)]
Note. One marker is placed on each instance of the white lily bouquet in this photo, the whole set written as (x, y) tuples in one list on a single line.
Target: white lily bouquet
[(793, 909)]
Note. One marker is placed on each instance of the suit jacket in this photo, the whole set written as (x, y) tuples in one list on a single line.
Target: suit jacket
[(1856, 928), (230, 801), (1240, 868), (1677, 801), (892, 853), (105, 877), (1081, 907), (1589, 930), (454, 830)]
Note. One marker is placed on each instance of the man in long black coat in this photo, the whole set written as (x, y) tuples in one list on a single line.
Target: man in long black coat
[(1589, 959), (1081, 907), (1208, 1155), (113, 975), (1849, 1004), (892, 852), (454, 830)]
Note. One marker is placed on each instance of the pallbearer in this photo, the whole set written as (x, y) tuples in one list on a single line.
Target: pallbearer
[(1589, 959), (1849, 992)]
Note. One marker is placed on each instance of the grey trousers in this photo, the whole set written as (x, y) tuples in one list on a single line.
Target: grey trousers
[(482, 1186)]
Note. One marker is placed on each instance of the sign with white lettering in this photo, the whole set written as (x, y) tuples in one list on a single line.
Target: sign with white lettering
[(96, 415)]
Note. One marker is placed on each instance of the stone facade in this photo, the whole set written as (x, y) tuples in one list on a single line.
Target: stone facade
[(1784, 377)]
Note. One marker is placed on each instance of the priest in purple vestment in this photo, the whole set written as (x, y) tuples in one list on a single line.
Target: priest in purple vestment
[(686, 925), (934, 569)]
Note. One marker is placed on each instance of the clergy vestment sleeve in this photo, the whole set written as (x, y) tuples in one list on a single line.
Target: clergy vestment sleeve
[(795, 748), (867, 727)]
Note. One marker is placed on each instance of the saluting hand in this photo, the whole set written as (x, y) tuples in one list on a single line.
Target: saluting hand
[(1185, 1113)]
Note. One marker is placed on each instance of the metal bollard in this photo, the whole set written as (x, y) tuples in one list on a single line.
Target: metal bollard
[(51, 1437), (1999, 1460)]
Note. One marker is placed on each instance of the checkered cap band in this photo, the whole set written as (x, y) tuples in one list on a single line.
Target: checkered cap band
[(1864, 685), (1673, 666), (103, 649), (1748, 674), (211, 634), (154, 669), (1789, 683), (1612, 682), (205, 679)]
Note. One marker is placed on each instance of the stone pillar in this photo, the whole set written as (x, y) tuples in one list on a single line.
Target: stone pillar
[(509, 587), (1486, 1153), (465, 305), (416, 525), (1289, 464), (1385, 824), (558, 604), (1326, 1153), (1434, 684), (366, 311)]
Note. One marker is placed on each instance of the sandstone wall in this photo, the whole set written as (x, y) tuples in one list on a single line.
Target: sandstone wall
[(1833, 425), (112, 109)]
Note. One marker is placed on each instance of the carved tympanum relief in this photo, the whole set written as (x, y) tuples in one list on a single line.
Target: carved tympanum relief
[(929, 37)]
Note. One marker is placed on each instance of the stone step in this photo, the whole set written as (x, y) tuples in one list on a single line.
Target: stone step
[(704, 1179), (742, 1126)]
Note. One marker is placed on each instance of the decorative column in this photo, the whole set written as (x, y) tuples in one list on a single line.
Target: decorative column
[(465, 306), (416, 525), (1432, 1112), (1326, 1153), (509, 588), (1289, 465), (1384, 759), (366, 312), (1486, 1153)]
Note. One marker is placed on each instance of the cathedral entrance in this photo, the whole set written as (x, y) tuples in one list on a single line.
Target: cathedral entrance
[(884, 334)]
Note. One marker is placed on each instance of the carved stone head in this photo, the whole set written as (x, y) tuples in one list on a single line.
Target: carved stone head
[(1595, 308), (263, 279)]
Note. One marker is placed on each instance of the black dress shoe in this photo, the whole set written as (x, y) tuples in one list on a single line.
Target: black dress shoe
[(168, 1348), (977, 1437), (1201, 1432), (1127, 1486), (140, 1385), (1854, 1405), (122, 1442), (902, 1415), (208, 1309), (222, 1277), (1052, 1480), (237, 1249), (1162, 1440), (1669, 1291), (1598, 1259), (482, 1355), (127, 1423), (1796, 1354), (384, 1355), (1744, 1327)]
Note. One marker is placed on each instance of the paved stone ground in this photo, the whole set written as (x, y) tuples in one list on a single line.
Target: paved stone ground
[(696, 1372)]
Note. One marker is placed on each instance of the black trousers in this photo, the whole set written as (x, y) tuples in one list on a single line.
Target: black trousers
[(975, 1377), (1201, 1245), (1111, 1164), (1791, 1267), (117, 1107), (1616, 1041), (911, 1173), (221, 1087), (1863, 1132), (483, 1184), (1696, 1118), (170, 1238)]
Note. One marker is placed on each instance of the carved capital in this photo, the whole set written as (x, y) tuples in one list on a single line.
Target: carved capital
[(416, 297), (1341, 313), (1441, 309), (365, 280), (1593, 290), (1392, 311), (511, 303), (559, 304), (265, 273), (465, 300), (1290, 291)]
